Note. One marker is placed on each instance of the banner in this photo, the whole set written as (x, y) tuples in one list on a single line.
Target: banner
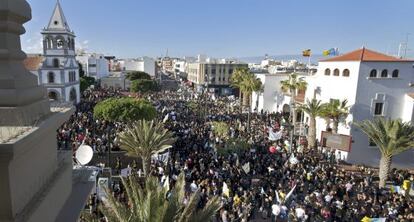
[(273, 136), (246, 167), (368, 219), (226, 191), (103, 183)]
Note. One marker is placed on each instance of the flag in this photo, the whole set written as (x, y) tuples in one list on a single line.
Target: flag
[(166, 183), (290, 193), (246, 167), (226, 191), (368, 219), (277, 197), (330, 52), (273, 136), (306, 52), (166, 118)]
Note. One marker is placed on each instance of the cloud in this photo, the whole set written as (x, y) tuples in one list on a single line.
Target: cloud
[(33, 44), (82, 45)]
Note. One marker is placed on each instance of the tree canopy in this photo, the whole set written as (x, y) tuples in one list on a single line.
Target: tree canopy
[(144, 139), (134, 75), (153, 202), (392, 137), (124, 110), (85, 82), (143, 85)]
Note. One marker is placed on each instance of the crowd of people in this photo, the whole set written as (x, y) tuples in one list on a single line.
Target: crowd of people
[(295, 184)]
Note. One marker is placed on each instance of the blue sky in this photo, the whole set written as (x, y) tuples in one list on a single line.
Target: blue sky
[(227, 28)]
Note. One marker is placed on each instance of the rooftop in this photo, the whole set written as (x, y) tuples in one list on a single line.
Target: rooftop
[(33, 62), (365, 55)]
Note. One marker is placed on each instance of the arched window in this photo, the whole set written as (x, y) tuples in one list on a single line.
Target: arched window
[(345, 72), (53, 95), (395, 73), (327, 72), (336, 72), (384, 73), (373, 73), (51, 77), (56, 63)]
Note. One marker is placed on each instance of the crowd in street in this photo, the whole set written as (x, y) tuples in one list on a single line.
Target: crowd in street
[(83, 128), (290, 183)]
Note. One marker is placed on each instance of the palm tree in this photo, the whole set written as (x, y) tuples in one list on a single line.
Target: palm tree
[(291, 86), (392, 137), (337, 111), (144, 139), (237, 77), (249, 84), (313, 108), (155, 203)]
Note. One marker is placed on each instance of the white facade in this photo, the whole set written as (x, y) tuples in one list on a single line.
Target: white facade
[(144, 64), (388, 96), (59, 72), (179, 65), (272, 99), (94, 65)]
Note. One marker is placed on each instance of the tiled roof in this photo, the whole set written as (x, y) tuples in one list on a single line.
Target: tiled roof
[(365, 55), (33, 62)]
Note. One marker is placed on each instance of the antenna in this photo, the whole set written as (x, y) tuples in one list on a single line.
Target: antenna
[(84, 154), (406, 44), (403, 46)]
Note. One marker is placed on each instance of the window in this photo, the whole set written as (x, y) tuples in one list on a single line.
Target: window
[(56, 22), (72, 76), (213, 71), (395, 73), (373, 73), (230, 71), (56, 63), (327, 72), (345, 73), (384, 73), (336, 72), (378, 109), (51, 77)]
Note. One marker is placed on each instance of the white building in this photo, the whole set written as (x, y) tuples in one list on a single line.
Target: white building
[(59, 72), (94, 65), (179, 65), (144, 64), (272, 99), (375, 85)]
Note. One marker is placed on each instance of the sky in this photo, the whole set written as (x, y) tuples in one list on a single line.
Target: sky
[(227, 28)]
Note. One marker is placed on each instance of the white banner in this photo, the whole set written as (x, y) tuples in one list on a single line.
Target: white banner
[(103, 183), (273, 136)]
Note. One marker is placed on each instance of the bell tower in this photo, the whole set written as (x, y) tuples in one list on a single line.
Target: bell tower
[(59, 72)]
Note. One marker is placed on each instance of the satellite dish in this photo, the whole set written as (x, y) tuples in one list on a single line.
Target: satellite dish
[(84, 154)]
